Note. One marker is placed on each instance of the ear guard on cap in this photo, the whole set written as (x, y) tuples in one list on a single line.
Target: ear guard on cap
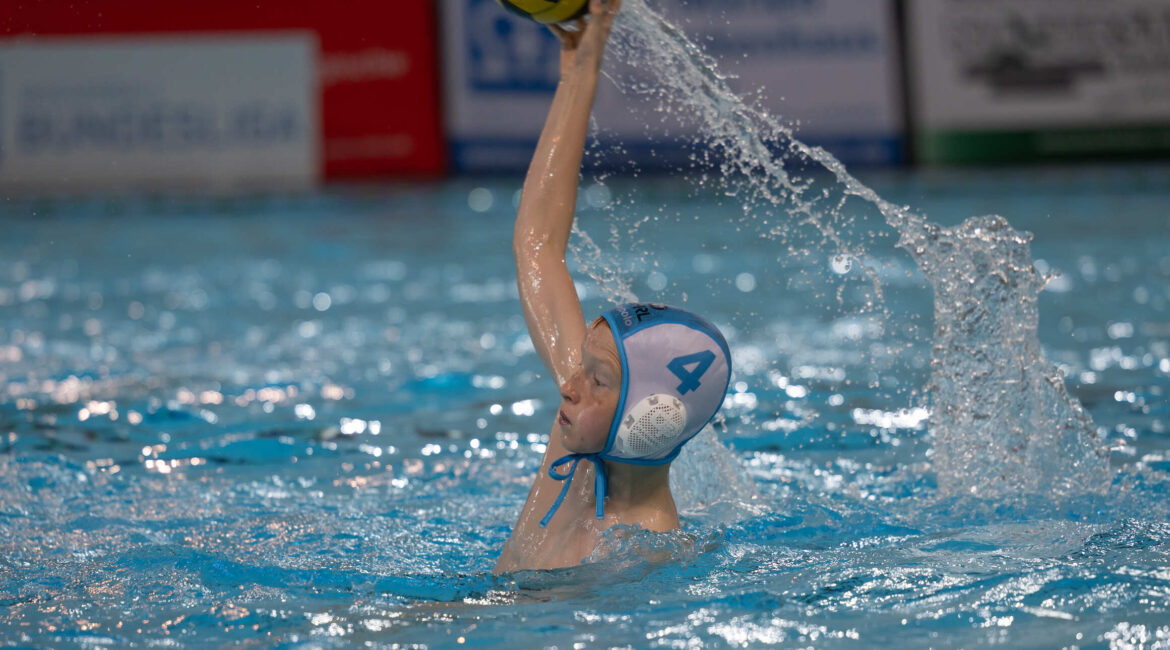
[(651, 427)]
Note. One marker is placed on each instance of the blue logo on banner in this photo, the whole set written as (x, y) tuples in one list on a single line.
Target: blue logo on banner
[(507, 53)]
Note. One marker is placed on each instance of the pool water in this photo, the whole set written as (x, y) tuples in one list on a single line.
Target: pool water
[(311, 421)]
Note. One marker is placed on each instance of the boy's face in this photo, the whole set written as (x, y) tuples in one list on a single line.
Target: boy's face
[(589, 398)]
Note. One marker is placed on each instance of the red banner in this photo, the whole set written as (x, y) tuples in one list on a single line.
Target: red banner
[(377, 65)]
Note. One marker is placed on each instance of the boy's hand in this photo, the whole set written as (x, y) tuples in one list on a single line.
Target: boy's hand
[(582, 46)]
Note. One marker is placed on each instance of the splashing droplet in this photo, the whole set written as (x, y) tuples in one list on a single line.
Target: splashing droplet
[(841, 264)]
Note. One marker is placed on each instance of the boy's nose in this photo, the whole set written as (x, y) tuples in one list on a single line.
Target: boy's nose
[(567, 392)]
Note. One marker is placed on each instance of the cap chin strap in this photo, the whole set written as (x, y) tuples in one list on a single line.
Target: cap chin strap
[(600, 482)]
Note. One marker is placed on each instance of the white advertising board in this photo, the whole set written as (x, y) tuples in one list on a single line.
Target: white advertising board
[(830, 66), (80, 113), (1038, 77)]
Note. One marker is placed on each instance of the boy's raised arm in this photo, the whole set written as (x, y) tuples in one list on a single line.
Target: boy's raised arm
[(545, 216)]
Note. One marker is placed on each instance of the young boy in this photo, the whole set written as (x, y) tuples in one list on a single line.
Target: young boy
[(635, 384)]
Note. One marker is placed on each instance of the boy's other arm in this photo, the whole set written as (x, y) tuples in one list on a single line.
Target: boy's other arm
[(544, 220)]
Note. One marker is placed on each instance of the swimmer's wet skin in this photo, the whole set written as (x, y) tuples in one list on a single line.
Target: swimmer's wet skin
[(636, 384)]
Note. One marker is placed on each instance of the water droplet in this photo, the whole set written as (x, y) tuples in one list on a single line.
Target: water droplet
[(656, 281), (841, 264), (480, 199), (322, 301), (598, 195), (745, 282)]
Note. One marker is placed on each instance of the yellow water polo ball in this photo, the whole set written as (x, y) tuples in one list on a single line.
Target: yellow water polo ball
[(547, 11)]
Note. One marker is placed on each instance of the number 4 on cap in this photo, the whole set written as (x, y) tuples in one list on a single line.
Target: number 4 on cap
[(690, 376)]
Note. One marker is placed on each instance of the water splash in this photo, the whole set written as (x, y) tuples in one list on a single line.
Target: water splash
[(706, 484), (592, 261), (1002, 420)]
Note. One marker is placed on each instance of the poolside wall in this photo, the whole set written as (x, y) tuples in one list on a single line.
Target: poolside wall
[(109, 94)]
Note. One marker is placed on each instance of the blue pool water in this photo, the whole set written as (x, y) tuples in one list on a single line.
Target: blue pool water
[(311, 421)]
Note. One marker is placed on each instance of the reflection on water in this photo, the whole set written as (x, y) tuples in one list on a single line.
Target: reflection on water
[(353, 481)]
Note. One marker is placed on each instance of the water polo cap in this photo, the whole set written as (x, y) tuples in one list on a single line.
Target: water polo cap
[(675, 371)]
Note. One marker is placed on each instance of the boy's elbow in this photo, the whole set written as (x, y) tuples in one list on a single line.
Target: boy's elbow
[(530, 245)]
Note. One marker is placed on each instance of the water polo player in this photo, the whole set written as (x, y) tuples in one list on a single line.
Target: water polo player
[(636, 384)]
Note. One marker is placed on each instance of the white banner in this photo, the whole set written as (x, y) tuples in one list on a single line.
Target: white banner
[(1008, 64), (168, 111), (830, 66)]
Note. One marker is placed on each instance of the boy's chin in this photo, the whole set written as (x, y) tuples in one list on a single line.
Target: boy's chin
[(574, 448)]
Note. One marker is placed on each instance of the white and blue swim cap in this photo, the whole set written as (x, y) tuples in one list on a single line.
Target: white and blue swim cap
[(675, 370)]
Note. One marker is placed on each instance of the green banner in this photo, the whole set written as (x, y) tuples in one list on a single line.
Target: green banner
[(1129, 142)]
